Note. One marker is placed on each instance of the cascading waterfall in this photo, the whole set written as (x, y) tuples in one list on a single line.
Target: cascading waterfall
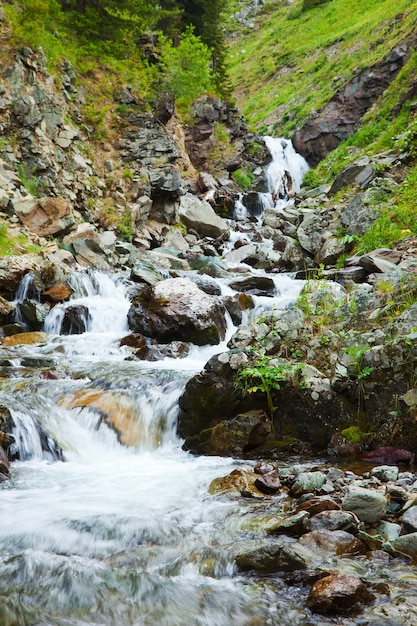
[(283, 176)]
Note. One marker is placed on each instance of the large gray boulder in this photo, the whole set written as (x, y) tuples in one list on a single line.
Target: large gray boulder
[(201, 217), (177, 310)]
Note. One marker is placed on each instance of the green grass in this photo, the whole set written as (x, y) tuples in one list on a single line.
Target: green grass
[(295, 60), (14, 245)]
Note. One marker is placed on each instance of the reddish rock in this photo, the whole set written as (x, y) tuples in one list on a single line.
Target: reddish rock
[(388, 455), (59, 293), (318, 504), (338, 593), (269, 483)]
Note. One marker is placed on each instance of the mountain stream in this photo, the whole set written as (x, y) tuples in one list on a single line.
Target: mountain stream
[(124, 535)]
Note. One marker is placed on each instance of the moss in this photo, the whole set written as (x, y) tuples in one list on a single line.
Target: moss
[(353, 434)]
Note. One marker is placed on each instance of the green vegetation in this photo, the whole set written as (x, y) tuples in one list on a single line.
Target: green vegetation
[(30, 183), (150, 46), (14, 245), (295, 60), (244, 178), (266, 376)]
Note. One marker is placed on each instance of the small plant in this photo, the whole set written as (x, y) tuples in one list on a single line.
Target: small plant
[(30, 183), (243, 178), (262, 376)]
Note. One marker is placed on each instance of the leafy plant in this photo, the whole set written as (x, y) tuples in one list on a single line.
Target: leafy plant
[(30, 182), (262, 376), (243, 178)]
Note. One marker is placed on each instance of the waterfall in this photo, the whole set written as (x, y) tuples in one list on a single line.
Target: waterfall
[(283, 176)]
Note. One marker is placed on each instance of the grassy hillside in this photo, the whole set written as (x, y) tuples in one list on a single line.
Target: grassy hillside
[(294, 60)]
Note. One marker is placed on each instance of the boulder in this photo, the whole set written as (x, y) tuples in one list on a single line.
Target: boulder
[(332, 520), (176, 309), (324, 542), (307, 482), (22, 339), (270, 558), (338, 593), (44, 216), (201, 217), (368, 505), (255, 285), (76, 320), (234, 437)]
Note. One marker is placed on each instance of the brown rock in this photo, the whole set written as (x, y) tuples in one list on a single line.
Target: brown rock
[(269, 483), (318, 504), (332, 542), (59, 293), (44, 216), (338, 593), (22, 339)]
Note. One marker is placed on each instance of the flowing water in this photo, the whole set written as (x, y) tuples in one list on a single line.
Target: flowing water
[(124, 533)]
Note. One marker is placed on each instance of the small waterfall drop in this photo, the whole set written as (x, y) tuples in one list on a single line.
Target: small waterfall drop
[(283, 176)]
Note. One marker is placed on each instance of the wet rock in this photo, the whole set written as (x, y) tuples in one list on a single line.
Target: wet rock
[(38, 362), (292, 525), (255, 285), (271, 558), (269, 483), (76, 320), (239, 481), (134, 340), (333, 520), (338, 593), (234, 437), (318, 504), (332, 542), (4, 465), (307, 482), (176, 309), (34, 313), (22, 339), (369, 506)]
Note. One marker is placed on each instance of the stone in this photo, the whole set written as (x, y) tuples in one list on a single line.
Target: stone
[(76, 320), (239, 481), (235, 437), (386, 473), (307, 482), (200, 216), (326, 542), (88, 252), (269, 483), (58, 293), (405, 544), (332, 520), (290, 525), (270, 558), (176, 309), (144, 272), (318, 504), (410, 519), (255, 285), (340, 593), (22, 339), (368, 505), (44, 216)]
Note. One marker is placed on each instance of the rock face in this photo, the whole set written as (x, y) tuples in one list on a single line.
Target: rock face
[(340, 117), (176, 309)]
